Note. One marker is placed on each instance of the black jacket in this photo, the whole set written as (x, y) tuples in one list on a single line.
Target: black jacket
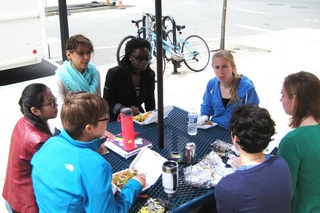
[(119, 88)]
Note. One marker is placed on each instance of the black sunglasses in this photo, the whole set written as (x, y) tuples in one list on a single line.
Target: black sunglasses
[(141, 59)]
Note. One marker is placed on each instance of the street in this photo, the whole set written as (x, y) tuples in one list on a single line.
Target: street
[(244, 18)]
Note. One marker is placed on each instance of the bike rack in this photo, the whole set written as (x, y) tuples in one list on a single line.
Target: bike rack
[(174, 31), (144, 22)]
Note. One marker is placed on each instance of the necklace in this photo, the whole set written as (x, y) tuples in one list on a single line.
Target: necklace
[(252, 161)]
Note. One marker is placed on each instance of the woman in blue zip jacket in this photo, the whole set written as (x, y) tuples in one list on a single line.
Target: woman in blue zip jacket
[(227, 90)]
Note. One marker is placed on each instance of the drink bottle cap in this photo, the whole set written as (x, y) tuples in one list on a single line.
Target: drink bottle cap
[(126, 111)]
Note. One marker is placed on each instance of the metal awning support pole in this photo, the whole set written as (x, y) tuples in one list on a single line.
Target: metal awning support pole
[(159, 73), (223, 25), (64, 29)]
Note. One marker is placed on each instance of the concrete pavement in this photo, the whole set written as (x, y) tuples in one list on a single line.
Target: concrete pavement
[(266, 59)]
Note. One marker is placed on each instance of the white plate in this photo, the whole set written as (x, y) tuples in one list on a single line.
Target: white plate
[(206, 126), (148, 162), (153, 117)]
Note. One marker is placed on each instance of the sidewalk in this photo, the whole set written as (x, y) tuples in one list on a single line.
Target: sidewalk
[(266, 59)]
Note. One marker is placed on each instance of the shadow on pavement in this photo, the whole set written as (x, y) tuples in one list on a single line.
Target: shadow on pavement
[(26, 73)]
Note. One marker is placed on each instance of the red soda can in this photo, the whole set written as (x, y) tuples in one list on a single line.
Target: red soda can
[(190, 153)]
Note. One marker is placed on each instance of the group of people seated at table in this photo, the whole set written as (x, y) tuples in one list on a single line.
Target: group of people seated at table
[(63, 171)]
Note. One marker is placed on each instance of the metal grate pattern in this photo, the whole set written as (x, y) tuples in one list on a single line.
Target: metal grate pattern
[(175, 139)]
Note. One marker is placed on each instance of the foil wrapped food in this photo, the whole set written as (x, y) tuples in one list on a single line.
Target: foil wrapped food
[(208, 172), (155, 205)]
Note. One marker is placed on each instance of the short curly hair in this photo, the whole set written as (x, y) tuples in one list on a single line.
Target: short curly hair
[(253, 126)]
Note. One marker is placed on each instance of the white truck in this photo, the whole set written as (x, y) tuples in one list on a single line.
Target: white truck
[(22, 33)]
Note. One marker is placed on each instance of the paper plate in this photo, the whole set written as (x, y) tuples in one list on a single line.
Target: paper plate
[(153, 116), (148, 162), (206, 126)]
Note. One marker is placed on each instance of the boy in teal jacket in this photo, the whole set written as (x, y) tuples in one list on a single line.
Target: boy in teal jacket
[(69, 175)]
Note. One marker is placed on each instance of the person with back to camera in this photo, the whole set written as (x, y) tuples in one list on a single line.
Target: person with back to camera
[(301, 146), (132, 82), (262, 184), (227, 90), (83, 180), (38, 105)]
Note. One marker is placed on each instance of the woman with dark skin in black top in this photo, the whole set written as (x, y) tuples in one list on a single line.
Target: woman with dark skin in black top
[(132, 82)]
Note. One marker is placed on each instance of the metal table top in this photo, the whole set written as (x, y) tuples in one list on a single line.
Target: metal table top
[(175, 139)]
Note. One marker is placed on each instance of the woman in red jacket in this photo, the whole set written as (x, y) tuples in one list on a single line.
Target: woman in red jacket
[(37, 105)]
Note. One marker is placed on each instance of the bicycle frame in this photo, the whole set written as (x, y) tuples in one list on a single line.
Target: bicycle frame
[(175, 50)]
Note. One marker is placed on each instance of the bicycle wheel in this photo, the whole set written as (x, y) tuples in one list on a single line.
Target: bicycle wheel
[(122, 46), (196, 53)]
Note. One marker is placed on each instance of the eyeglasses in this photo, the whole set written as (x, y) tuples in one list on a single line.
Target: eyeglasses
[(106, 119), (82, 53), (140, 59), (52, 103)]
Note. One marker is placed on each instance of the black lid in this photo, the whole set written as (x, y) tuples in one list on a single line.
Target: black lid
[(126, 111)]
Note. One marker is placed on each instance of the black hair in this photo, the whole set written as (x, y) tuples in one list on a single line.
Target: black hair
[(33, 96), (253, 126), (131, 45)]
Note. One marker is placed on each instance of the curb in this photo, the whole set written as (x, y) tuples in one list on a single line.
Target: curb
[(77, 8)]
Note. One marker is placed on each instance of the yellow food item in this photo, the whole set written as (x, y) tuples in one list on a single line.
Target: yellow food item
[(142, 117), (120, 179)]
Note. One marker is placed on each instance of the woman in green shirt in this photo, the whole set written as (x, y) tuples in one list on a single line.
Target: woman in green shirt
[(301, 146)]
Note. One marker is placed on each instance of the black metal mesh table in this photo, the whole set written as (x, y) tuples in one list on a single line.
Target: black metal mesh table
[(175, 139)]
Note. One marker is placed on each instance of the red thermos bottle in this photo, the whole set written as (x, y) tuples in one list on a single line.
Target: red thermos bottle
[(127, 129)]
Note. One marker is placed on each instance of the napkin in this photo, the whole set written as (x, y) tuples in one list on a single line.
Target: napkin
[(201, 119)]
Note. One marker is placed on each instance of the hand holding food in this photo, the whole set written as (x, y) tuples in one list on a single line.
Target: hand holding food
[(203, 120), (135, 110), (207, 122), (141, 178)]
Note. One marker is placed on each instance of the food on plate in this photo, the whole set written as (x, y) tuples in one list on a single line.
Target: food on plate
[(121, 178), (207, 122), (142, 117)]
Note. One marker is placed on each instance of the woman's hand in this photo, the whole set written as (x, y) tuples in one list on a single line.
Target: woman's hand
[(135, 110), (236, 161), (141, 178), (103, 150), (109, 135)]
